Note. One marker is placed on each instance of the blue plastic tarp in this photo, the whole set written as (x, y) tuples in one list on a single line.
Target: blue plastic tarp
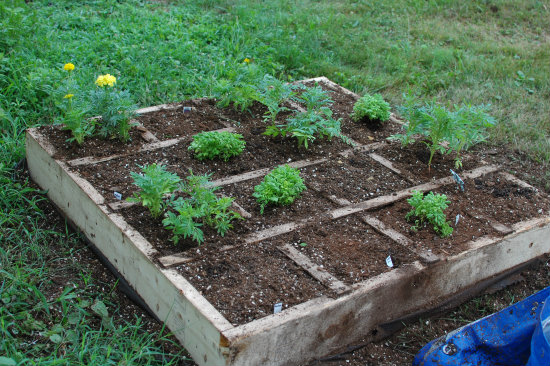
[(502, 339)]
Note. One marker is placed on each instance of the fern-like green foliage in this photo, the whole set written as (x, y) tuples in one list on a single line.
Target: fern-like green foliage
[(214, 144), (315, 120), (371, 107), (273, 93), (74, 109), (315, 98), (445, 130), (154, 183), (429, 209), (304, 126), (116, 109), (280, 187), (199, 206), (74, 118)]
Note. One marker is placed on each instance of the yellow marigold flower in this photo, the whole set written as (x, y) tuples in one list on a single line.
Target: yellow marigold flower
[(247, 60), (68, 96), (68, 67), (106, 79)]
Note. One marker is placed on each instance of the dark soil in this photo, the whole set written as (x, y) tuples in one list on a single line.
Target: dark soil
[(90, 147), (355, 178), (503, 202), (185, 119), (413, 159), (245, 282), (348, 248), (397, 350), (253, 278)]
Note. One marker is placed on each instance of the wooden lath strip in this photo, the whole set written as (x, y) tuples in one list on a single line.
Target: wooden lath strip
[(320, 274), (386, 200), (427, 257), (517, 181), (274, 231), (157, 108), (360, 148), (145, 133), (501, 228), (388, 164), (88, 160), (261, 172), (177, 259)]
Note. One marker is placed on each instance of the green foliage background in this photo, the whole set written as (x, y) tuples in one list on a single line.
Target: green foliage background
[(479, 52)]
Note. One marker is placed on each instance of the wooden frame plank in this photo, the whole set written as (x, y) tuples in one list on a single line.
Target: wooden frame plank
[(192, 319)]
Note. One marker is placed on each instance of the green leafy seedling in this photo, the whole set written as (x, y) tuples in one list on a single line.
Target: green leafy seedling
[(154, 183), (445, 130), (75, 120), (315, 98), (280, 187), (429, 209), (371, 108), (200, 206), (214, 144), (315, 120), (273, 93)]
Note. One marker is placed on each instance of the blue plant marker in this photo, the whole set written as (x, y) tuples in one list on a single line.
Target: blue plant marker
[(118, 195), (457, 179)]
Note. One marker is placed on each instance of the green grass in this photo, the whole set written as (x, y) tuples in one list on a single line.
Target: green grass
[(474, 52)]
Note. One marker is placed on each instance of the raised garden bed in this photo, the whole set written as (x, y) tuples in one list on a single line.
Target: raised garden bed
[(324, 258)]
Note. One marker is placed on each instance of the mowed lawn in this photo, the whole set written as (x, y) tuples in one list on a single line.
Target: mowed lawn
[(484, 52)]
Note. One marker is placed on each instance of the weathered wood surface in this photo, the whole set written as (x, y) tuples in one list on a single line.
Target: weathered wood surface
[(193, 320), (315, 270)]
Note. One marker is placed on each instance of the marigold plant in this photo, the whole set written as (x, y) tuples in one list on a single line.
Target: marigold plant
[(68, 67), (105, 80), (115, 107)]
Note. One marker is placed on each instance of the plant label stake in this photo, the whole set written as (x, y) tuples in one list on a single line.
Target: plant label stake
[(277, 308), (118, 195), (389, 261), (187, 109), (457, 179)]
